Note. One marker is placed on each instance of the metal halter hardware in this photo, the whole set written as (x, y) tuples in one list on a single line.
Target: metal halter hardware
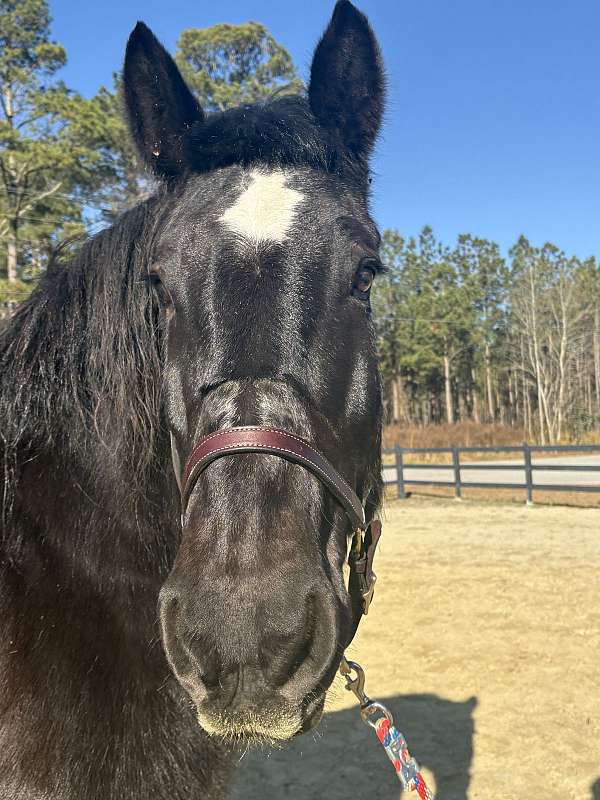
[(274, 441)]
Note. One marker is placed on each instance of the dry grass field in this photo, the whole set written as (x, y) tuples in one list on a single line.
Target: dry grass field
[(484, 640), (469, 434), (461, 434)]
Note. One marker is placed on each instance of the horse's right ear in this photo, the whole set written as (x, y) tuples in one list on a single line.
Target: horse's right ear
[(159, 104)]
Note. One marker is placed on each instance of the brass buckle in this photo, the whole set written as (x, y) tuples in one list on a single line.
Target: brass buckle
[(356, 553), (367, 596), (358, 538)]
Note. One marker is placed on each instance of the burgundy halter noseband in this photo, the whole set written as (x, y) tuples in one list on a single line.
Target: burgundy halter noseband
[(274, 441)]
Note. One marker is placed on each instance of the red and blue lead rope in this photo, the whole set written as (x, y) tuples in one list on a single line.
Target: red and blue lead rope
[(378, 717), (405, 765)]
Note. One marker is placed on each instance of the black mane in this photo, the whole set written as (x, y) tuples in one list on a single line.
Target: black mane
[(84, 347)]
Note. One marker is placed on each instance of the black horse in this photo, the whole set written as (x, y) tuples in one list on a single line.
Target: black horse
[(237, 295)]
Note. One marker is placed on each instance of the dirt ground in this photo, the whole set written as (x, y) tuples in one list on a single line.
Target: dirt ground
[(484, 641)]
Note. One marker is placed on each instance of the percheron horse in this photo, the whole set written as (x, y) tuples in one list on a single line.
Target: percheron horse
[(237, 295)]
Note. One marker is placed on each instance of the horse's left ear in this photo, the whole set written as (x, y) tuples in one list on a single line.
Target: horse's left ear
[(159, 104), (347, 80)]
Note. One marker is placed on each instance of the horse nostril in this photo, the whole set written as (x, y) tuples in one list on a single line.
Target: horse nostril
[(195, 664), (178, 654), (283, 654), (316, 665), (169, 624)]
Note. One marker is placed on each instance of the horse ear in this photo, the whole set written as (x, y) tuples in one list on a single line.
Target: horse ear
[(347, 80), (159, 105)]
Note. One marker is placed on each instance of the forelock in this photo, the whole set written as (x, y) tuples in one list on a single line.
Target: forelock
[(281, 134)]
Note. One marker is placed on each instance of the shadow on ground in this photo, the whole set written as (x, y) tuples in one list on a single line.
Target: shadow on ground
[(596, 790), (343, 758)]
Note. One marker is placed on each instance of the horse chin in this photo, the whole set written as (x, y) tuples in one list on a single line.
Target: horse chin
[(313, 714), (252, 727), (248, 727)]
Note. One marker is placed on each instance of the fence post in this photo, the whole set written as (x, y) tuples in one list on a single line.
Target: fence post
[(456, 464), (528, 472), (400, 473)]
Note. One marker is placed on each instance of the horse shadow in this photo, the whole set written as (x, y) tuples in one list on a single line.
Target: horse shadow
[(343, 759), (595, 788)]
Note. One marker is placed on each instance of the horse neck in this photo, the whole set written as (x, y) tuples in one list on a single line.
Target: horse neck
[(84, 518)]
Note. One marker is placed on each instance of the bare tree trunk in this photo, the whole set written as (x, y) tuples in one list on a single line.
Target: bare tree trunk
[(526, 399), (488, 383), (528, 417), (536, 356), (499, 406), (11, 200), (426, 411), (448, 389), (475, 395), (395, 402), (462, 406), (562, 366), (597, 355), (399, 404)]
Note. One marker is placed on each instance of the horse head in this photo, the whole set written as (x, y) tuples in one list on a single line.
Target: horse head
[(262, 264)]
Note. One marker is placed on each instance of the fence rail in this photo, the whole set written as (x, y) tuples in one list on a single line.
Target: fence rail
[(527, 466)]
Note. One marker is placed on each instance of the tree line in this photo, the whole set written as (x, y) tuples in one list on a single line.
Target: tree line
[(463, 333), (466, 334), (66, 162)]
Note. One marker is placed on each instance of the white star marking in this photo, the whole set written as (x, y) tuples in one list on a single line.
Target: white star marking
[(265, 210)]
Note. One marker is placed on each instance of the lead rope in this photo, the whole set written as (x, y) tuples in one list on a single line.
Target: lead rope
[(378, 717)]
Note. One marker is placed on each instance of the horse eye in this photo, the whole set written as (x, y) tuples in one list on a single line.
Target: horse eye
[(159, 288), (363, 280)]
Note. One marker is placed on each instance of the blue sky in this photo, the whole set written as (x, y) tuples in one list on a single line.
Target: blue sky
[(493, 121)]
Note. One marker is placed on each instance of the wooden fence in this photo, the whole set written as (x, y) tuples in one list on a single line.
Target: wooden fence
[(525, 465)]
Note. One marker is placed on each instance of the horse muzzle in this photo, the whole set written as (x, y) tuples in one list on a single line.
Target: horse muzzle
[(255, 669), (257, 653)]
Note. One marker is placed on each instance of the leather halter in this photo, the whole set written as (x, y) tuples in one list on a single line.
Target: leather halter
[(274, 441)]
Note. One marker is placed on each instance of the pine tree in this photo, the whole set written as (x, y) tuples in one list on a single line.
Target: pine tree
[(230, 65), (54, 148)]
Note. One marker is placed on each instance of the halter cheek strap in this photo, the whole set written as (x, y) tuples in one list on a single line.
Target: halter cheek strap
[(274, 441)]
